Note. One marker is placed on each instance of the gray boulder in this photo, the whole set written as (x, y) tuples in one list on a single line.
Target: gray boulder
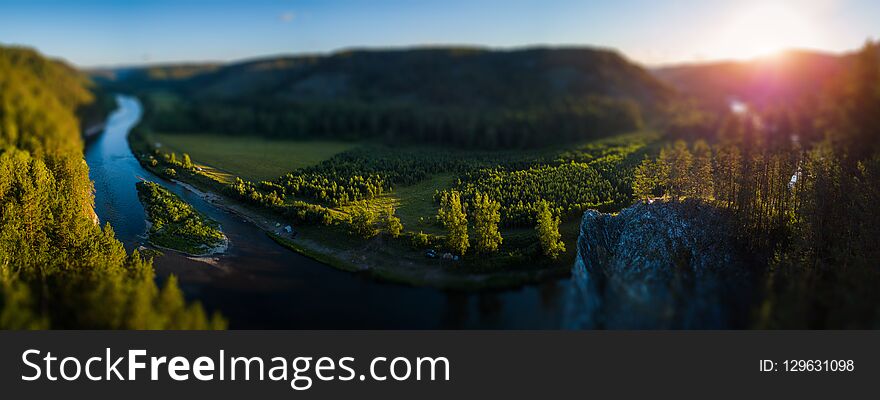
[(658, 265)]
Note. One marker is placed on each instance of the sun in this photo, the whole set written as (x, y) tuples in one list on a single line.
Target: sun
[(762, 30)]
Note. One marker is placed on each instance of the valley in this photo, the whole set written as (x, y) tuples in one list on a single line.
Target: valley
[(471, 188), (257, 283)]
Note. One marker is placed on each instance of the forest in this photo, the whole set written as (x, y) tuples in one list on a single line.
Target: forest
[(58, 267), (459, 97), (803, 197)]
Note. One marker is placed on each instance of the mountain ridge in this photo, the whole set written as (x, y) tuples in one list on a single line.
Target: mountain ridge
[(379, 72)]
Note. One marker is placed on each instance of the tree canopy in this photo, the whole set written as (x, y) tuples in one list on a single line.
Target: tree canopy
[(58, 267)]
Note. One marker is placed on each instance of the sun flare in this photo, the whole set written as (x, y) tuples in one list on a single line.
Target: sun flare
[(763, 30)]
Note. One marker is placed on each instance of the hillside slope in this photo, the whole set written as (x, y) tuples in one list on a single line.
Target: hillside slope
[(459, 96), (435, 76), (58, 268)]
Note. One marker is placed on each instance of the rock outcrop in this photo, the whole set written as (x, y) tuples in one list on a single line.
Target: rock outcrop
[(657, 265), (656, 241)]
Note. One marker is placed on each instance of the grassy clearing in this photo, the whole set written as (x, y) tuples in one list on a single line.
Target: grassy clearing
[(415, 203), (251, 158)]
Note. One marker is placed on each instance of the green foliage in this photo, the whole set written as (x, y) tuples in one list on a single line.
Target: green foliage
[(17, 310), (371, 171), (486, 217), (421, 240), (547, 229), (678, 173), (175, 224), (392, 223), (452, 216), (676, 162), (187, 162), (646, 179), (364, 221), (58, 268), (595, 175)]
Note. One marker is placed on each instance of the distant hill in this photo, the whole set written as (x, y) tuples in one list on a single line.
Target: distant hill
[(172, 74), (427, 76), (789, 77), (458, 96)]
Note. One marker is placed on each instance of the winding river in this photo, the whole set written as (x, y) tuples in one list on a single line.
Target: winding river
[(259, 284)]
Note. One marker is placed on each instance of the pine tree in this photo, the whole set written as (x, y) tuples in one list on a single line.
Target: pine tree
[(702, 183), (645, 179), (548, 231), (487, 215), (452, 216), (726, 173), (679, 170), (663, 168)]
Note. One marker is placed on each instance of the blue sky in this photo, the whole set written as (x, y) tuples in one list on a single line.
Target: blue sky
[(102, 32)]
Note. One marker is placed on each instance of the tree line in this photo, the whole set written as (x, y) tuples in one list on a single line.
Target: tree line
[(570, 119), (803, 198)]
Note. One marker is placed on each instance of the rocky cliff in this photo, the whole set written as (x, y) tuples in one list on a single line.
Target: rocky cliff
[(658, 265)]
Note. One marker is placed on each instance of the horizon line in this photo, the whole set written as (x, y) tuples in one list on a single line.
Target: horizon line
[(471, 46)]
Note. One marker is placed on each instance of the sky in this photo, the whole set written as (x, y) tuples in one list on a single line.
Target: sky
[(92, 33)]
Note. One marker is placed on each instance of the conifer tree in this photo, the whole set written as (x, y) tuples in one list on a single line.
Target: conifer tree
[(452, 216), (679, 170), (548, 231), (645, 179), (487, 215), (187, 162), (702, 184)]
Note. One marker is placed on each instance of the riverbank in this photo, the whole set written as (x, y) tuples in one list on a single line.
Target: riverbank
[(385, 258)]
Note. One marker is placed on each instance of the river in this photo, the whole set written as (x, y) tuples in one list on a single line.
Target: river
[(258, 284)]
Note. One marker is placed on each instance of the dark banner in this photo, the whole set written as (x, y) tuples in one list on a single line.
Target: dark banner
[(443, 365)]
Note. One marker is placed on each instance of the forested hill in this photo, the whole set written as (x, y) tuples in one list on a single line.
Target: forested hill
[(58, 268), (426, 76), (784, 79), (464, 96)]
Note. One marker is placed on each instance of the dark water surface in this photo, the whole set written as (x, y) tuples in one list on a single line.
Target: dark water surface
[(259, 284)]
